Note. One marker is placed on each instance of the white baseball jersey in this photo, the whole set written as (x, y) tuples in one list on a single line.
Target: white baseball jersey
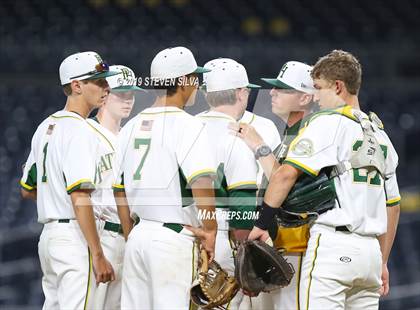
[(62, 159), (161, 151), (237, 168), (103, 196), (267, 130), (330, 138)]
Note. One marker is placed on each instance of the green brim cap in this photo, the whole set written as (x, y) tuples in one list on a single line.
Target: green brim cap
[(201, 70), (277, 83), (250, 85), (102, 75), (127, 88)]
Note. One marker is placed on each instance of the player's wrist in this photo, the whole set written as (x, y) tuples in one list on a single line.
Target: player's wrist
[(265, 216)]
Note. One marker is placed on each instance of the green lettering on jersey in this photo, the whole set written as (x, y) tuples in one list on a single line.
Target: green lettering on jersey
[(361, 175), (104, 164)]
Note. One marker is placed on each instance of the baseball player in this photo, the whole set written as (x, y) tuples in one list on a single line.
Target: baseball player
[(291, 101), (227, 90), (106, 125), (343, 264), (165, 168), (59, 172)]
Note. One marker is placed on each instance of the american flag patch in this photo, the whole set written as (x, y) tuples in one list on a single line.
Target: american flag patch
[(146, 125), (50, 129)]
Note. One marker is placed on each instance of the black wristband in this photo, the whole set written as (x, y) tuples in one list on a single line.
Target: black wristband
[(266, 216)]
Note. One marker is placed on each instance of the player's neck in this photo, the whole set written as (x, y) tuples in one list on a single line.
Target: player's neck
[(173, 101), (230, 110), (109, 121), (77, 105), (353, 101), (295, 117)]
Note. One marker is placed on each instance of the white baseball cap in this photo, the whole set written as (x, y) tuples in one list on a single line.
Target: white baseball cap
[(294, 75), (83, 66), (225, 74), (173, 63), (125, 80)]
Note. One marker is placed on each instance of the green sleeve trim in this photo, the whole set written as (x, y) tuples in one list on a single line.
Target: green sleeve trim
[(201, 173), (393, 202), (118, 188), (27, 187), (243, 203), (31, 178), (299, 166), (81, 185)]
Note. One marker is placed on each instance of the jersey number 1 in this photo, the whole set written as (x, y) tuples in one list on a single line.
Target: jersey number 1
[(143, 145), (44, 170)]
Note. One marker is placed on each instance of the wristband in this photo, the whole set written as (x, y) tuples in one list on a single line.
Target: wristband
[(266, 216)]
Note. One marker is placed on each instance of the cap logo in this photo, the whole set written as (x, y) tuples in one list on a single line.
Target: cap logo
[(126, 73), (283, 70), (98, 57)]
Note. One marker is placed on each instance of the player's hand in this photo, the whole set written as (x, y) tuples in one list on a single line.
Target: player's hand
[(384, 290), (248, 134), (259, 234), (102, 269), (207, 239)]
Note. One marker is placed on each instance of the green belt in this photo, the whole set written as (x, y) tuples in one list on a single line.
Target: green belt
[(173, 226), (64, 220), (113, 227)]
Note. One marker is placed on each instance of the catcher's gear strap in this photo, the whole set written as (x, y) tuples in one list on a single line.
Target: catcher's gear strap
[(265, 216), (368, 155)]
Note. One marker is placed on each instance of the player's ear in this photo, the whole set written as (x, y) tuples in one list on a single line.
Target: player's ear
[(339, 87), (76, 87)]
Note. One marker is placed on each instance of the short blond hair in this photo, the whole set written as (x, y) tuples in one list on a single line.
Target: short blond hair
[(339, 65)]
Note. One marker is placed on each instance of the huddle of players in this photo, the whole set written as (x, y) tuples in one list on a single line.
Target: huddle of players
[(169, 166)]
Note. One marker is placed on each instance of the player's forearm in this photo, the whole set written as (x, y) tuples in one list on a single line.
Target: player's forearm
[(387, 240), (124, 213), (83, 210), (28, 194), (281, 182), (203, 194), (269, 164)]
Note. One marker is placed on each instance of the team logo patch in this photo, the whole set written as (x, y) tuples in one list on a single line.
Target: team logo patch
[(303, 147)]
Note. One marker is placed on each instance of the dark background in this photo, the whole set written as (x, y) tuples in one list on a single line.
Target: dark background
[(35, 36)]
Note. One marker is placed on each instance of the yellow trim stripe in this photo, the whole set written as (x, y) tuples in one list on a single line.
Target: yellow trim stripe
[(118, 186), (235, 185), (310, 273), (164, 112), (221, 117), (26, 186), (89, 280), (298, 164), (68, 116), (196, 174), (78, 183), (192, 305), (299, 271), (393, 201)]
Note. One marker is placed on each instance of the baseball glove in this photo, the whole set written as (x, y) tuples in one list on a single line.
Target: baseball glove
[(213, 287), (260, 268)]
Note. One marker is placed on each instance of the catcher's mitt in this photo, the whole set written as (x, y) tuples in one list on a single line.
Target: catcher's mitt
[(260, 268), (213, 287)]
